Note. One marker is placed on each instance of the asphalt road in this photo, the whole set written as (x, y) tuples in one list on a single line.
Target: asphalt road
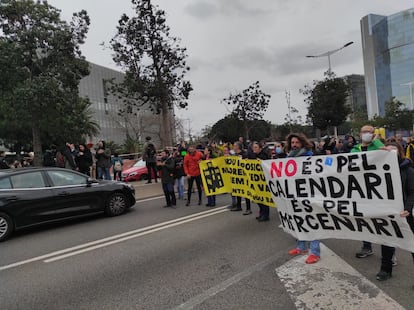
[(160, 258)]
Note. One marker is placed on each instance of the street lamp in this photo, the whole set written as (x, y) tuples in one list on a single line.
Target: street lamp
[(329, 53)]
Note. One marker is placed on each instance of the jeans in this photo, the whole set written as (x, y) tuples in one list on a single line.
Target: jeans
[(103, 173), (366, 245), (180, 187), (211, 200), (169, 194), (314, 247)]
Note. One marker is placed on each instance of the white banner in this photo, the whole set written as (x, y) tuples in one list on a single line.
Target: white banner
[(354, 196)]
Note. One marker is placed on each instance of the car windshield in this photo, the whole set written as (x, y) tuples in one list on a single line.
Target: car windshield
[(139, 163)]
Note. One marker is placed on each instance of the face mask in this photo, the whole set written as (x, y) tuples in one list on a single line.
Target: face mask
[(278, 150), (367, 137)]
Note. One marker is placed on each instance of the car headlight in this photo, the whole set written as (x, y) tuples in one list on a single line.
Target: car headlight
[(132, 174)]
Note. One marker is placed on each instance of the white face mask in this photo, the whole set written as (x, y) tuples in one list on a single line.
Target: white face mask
[(367, 137)]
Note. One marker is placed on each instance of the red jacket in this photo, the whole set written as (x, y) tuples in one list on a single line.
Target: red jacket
[(191, 167)]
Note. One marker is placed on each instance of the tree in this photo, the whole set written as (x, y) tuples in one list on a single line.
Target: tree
[(154, 64), (248, 105), (327, 102), (229, 128), (397, 116), (41, 67)]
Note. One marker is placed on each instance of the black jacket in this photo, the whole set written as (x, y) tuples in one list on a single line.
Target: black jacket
[(3, 163), (167, 170), (407, 182)]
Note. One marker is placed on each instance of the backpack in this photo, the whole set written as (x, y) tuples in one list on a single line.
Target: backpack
[(117, 166), (48, 160), (150, 150), (60, 160)]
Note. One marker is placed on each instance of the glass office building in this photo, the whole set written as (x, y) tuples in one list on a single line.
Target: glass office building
[(388, 50)]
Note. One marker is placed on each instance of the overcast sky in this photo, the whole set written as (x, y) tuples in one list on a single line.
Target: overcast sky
[(233, 43)]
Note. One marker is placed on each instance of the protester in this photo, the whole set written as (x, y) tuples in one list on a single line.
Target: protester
[(69, 153), (182, 148), (239, 152), (298, 145), (368, 143), (279, 151), (407, 182), (229, 152), (348, 143), (208, 154), (400, 140), (260, 153), (179, 174), (117, 164), (167, 165), (409, 153), (150, 158), (3, 163), (192, 170), (49, 157), (84, 159), (103, 161)]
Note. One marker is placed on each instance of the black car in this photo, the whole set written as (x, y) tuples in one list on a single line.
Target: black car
[(31, 196)]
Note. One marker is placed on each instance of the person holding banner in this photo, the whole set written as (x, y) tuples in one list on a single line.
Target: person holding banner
[(192, 170), (208, 154), (299, 145), (368, 143), (407, 182), (238, 151), (259, 153)]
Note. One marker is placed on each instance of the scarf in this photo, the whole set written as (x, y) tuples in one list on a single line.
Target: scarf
[(297, 153)]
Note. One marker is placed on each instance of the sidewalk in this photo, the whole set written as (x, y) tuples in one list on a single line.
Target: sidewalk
[(144, 190)]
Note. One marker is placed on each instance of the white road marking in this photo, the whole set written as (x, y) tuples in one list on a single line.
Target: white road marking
[(149, 199), (50, 260), (199, 299), (331, 284), (92, 243)]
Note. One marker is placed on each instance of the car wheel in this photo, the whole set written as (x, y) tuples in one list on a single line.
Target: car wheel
[(116, 204), (143, 177), (6, 226)]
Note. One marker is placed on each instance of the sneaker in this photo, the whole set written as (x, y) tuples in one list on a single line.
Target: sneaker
[(199, 202), (383, 275), (312, 259), (247, 212), (263, 219), (364, 253), (297, 251), (235, 209), (187, 203)]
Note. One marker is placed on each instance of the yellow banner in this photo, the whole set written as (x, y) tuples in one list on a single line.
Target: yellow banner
[(239, 177)]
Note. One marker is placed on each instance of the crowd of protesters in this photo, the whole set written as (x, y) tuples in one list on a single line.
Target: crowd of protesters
[(172, 167)]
